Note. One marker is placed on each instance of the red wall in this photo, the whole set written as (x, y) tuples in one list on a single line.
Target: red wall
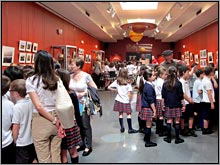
[(30, 22), (119, 48), (206, 38)]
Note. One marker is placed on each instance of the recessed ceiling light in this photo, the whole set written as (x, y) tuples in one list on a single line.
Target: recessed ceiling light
[(138, 5), (141, 20)]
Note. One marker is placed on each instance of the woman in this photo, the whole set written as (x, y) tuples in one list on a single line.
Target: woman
[(41, 88), (79, 82)]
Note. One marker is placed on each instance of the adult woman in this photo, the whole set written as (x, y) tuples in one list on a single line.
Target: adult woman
[(79, 82), (41, 88)]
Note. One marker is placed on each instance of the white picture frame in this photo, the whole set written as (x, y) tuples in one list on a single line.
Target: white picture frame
[(81, 56), (28, 57), (187, 54), (7, 55), (33, 56), (28, 46), (88, 58), (196, 58), (203, 63), (35, 47), (210, 57), (191, 56), (22, 45), (203, 53), (22, 57)]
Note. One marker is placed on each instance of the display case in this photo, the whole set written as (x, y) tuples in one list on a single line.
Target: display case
[(63, 53)]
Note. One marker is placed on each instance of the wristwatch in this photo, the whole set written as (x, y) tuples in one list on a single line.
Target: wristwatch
[(54, 121)]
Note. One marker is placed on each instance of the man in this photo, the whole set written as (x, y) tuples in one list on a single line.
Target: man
[(169, 61)]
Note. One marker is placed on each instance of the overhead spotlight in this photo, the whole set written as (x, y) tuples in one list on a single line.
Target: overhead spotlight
[(157, 30), (168, 17)]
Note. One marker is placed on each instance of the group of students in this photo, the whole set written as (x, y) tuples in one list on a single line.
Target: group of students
[(164, 93), (31, 130)]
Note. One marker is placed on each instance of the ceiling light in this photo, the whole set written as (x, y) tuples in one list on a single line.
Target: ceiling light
[(157, 30), (168, 17), (141, 20), (138, 5)]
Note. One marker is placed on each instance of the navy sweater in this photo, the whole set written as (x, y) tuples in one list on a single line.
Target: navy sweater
[(148, 97), (172, 99)]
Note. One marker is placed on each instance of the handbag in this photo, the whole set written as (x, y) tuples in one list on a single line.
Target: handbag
[(64, 106), (91, 107)]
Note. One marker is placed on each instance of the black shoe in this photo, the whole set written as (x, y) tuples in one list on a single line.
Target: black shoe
[(207, 131), (167, 139), (141, 130), (179, 140), (192, 133), (122, 130), (150, 144), (132, 131), (81, 148), (87, 153)]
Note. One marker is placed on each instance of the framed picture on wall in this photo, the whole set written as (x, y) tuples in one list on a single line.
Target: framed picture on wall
[(81, 56), (191, 56), (28, 46), (203, 63), (88, 58), (196, 58), (28, 58), (22, 57), (203, 53), (7, 55), (33, 56), (35, 46), (210, 57), (22, 45), (187, 54)]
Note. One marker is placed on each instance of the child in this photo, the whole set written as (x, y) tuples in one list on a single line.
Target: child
[(123, 98), (21, 129), (208, 99), (162, 75), (140, 80), (148, 111), (172, 96), (197, 97), (8, 149), (72, 138), (184, 79)]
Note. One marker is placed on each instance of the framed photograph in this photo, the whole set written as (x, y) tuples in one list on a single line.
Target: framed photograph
[(7, 55), (210, 57), (81, 56), (187, 54), (196, 57), (88, 58), (33, 56), (28, 46), (22, 45), (28, 58), (203, 53), (22, 57), (35, 46), (182, 57), (187, 61), (191, 57), (203, 63), (80, 51)]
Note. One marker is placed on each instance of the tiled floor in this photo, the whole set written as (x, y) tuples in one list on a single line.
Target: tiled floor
[(111, 146)]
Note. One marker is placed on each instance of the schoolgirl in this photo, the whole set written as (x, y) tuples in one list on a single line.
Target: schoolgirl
[(172, 103), (148, 109), (161, 76), (122, 100)]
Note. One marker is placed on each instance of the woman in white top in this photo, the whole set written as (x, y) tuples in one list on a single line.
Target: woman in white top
[(79, 82), (42, 87)]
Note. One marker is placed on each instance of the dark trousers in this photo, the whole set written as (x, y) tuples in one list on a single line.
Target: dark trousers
[(8, 154), (96, 79), (26, 154), (87, 130)]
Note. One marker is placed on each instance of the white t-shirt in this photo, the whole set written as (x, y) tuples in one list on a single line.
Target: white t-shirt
[(158, 87), (197, 98), (46, 97), (7, 114), (186, 89), (23, 116), (207, 85), (122, 95), (131, 69)]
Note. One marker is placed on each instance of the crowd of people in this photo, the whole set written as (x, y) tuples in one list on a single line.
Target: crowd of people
[(170, 93)]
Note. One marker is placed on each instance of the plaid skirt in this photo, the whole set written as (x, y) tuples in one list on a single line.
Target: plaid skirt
[(72, 138), (138, 103), (159, 107), (173, 112), (122, 107), (146, 114)]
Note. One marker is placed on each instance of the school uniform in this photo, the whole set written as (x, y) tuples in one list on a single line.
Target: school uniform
[(158, 88)]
